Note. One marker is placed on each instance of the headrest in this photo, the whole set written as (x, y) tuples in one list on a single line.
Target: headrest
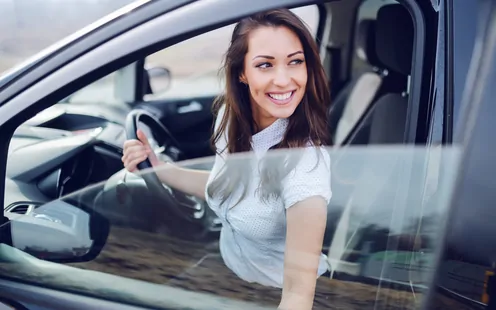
[(365, 48), (394, 38)]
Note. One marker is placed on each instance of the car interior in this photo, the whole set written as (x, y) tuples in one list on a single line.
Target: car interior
[(379, 97), (369, 56), (369, 108)]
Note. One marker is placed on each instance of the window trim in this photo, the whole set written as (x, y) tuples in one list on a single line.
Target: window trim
[(448, 73)]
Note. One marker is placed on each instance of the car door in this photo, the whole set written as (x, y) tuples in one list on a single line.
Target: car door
[(124, 274)]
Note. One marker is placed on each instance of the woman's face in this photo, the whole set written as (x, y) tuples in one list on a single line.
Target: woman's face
[(275, 72)]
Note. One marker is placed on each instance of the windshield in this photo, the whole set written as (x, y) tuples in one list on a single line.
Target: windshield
[(29, 26)]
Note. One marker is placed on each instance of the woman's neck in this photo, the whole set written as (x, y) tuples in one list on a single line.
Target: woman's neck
[(261, 118), (261, 124)]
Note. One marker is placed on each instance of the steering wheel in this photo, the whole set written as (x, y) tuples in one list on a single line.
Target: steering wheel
[(183, 206)]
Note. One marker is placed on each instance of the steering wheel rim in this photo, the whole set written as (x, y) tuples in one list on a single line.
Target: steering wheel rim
[(151, 178), (132, 120)]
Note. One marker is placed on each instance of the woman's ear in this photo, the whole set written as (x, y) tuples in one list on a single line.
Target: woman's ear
[(242, 79)]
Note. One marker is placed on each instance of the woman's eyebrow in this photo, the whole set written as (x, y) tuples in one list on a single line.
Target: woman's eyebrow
[(295, 53), (264, 56), (272, 57)]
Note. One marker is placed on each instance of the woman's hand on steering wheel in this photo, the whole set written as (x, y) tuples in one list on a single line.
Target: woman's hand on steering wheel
[(137, 151)]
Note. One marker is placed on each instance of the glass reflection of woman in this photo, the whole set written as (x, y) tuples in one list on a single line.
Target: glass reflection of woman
[(273, 213)]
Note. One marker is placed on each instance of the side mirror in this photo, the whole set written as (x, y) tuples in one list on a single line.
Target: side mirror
[(157, 80), (59, 232)]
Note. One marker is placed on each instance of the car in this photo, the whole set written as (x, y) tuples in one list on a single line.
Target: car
[(410, 223)]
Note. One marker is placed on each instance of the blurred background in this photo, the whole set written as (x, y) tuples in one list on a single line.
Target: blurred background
[(28, 26)]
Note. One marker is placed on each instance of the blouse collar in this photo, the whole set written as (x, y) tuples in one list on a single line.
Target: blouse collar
[(262, 141)]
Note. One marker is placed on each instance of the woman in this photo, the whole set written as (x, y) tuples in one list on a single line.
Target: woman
[(273, 209)]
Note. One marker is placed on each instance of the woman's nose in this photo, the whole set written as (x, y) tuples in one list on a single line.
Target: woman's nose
[(282, 77)]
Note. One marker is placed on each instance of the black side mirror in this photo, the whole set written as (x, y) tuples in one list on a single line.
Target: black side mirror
[(59, 231), (156, 80)]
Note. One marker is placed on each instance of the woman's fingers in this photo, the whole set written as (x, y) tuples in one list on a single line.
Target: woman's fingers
[(142, 137), (134, 153), (132, 165), (135, 150), (131, 143)]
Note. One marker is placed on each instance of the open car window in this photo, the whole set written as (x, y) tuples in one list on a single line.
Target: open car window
[(187, 69), (120, 241)]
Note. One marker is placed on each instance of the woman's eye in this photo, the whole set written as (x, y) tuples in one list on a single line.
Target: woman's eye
[(264, 65), (296, 62)]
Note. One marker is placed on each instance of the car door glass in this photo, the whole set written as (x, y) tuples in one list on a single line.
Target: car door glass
[(100, 239)]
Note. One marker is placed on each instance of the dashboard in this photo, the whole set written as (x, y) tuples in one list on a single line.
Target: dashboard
[(59, 154), (71, 155)]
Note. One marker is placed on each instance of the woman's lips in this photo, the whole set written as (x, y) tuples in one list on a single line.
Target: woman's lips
[(281, 98)]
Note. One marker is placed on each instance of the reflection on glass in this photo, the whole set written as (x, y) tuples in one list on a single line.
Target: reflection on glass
[(381, 237)]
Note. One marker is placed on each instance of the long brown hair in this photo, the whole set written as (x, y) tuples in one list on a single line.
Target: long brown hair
[(308, 123)]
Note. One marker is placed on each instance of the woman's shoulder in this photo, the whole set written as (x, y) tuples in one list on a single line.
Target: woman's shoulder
[(310, 177), (313, 153), (308, 159)]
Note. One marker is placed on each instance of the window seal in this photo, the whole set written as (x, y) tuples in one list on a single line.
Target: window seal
[(448, 74)]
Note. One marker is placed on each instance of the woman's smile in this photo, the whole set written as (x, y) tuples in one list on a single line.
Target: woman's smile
[(281, 98)]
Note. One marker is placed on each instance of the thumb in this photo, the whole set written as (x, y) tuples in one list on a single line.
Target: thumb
[(142, 137)]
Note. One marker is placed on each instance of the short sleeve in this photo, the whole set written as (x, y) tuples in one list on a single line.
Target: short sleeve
[(311, 177)]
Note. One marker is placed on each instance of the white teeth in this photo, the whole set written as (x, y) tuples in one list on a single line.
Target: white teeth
[(281, 96)]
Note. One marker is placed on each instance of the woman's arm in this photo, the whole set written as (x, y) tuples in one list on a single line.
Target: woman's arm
[(188, 181), (306, 223)]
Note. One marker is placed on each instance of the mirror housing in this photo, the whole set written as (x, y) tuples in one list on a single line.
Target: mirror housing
[(59, 231), (157, 79)]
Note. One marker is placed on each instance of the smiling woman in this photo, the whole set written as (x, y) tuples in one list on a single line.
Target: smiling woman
[(275, 96)]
